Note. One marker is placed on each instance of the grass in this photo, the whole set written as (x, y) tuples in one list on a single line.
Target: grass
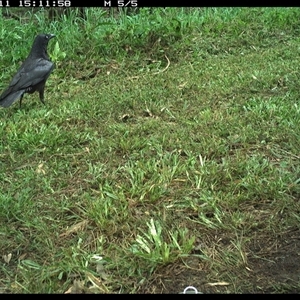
[(167, 134)]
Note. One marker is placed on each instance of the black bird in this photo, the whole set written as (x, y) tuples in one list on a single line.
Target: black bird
[(32, 75)]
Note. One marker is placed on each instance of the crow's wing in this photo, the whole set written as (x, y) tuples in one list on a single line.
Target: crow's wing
[(31, 73)]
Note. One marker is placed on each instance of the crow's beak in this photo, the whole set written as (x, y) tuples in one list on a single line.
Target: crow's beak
[(51, 36)]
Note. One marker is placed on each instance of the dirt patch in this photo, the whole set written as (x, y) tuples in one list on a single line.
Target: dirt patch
[(273, 266)]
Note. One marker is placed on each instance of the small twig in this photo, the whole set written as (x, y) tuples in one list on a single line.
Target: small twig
[(165, 69)]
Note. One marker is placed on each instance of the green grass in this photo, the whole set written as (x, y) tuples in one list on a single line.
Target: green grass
[(162, 129)]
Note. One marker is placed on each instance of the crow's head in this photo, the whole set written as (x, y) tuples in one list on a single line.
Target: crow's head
[(44, 38), (39, 47)]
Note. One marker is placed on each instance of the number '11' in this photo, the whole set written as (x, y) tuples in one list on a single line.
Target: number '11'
[(4, 3)]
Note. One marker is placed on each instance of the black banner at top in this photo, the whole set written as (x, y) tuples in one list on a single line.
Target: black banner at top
[(117, 3), (87, 3)]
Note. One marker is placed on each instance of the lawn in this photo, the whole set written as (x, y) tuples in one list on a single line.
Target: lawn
[(166, 156)]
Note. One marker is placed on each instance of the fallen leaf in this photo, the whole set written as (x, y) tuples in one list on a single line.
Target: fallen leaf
[(75, 228), (181, 86), (97, 284), (40, 169), (76, 288), (101, 271), (7, 257), (21, 257)]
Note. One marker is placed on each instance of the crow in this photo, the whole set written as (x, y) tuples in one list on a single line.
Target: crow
[(32, 75)]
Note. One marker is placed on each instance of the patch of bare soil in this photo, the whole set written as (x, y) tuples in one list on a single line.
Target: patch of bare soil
[(273, 266)]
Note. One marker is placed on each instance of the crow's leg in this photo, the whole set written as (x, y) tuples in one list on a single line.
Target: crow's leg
[(21, 100), (42, 96)]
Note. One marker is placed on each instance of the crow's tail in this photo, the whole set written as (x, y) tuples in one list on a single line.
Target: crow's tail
[(10, 98)]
